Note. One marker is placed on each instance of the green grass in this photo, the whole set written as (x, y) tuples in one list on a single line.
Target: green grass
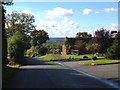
[(103, 61), (79, 57), (46, 57)]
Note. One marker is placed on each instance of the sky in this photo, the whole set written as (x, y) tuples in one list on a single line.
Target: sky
[(61, 19)]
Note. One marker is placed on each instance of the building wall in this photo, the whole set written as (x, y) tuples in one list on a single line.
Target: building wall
[(64, 49)]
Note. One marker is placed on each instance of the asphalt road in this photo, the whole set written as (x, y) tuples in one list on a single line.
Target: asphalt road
[(45, 74)]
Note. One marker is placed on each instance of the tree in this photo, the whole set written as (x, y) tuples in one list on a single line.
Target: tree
[(39, 37), (19, 22), (113, 52), (83, 35), (92, 47), (102, 37)]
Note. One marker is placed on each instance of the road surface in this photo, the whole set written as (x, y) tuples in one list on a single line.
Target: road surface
[(40, 73)]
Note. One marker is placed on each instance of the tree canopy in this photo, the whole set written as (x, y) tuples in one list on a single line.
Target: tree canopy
[(19, 22), (83, 35), (39, 37)]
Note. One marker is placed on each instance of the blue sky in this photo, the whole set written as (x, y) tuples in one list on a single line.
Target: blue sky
[(62, 19)]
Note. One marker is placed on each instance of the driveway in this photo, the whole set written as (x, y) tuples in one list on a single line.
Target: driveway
[(38, 73)]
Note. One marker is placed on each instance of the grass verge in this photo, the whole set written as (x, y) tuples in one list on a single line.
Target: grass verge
[(47, 57), (103, 61)]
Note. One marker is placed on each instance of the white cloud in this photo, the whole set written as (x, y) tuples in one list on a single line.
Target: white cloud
[(87, 11), (112, 27), (97, 12), (109, 9), (10, 12), (26, 11), (58, 12), (58, 29)]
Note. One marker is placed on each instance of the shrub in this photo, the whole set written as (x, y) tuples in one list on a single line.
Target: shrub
[(16, 47), (94, 58), (85, 57)]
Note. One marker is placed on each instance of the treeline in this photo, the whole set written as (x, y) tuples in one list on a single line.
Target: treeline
[(103, 43), (22, 35)]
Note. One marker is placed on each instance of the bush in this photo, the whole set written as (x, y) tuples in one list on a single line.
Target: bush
[(113, 52), (16, 47), (94, 58), (85, 57)]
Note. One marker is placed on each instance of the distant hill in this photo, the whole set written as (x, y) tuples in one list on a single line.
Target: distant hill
[(55, 40)]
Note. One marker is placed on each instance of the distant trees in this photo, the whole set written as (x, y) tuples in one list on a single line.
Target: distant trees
[(83, 35), (55, 48)]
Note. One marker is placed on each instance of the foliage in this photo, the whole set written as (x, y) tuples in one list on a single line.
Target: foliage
[(16, 47), (94, 58), (19, 22), (113, 52), (42, 50), (85, 57), (83, 35), (102, 37), (79, 44), (35, 51), (39, 37), (92, 47)]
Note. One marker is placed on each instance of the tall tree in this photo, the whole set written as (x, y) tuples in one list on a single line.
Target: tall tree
[(19, 22), (39, 37), (83, 35), (102, 37)]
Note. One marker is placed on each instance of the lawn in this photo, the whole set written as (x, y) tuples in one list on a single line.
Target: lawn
[(79, 57), (47, 57), (103, 61)]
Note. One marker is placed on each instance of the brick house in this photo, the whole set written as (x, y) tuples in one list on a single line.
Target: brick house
[(74, 43)]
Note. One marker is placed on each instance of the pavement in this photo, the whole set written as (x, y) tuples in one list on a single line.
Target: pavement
[(39, 73)]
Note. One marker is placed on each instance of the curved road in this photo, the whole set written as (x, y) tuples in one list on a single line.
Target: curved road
[(38, 73)]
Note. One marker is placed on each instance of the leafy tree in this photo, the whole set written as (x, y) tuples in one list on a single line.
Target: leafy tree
[(113, 52), (19, 22), (92, 47), (83, 35), (39, 37), (102, 37), (16, 47)]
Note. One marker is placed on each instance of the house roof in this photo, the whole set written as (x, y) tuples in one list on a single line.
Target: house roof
[(72, 41)]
